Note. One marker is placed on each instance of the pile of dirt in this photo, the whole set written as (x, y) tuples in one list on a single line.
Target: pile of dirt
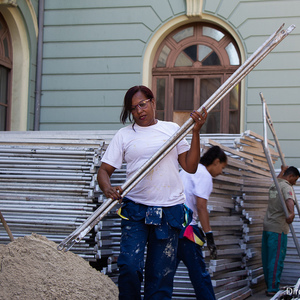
[(32, 268)]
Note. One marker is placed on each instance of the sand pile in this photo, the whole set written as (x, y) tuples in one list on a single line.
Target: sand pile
[(33, 268)]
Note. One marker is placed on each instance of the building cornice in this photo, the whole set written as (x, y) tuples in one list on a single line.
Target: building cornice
[(194, 8), (8, 2)]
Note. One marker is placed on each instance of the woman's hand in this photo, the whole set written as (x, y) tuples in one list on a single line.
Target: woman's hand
[(199, 118), (104, 173), (189, 160), (113, 192)]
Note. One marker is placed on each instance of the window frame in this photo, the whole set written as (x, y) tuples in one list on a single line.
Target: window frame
[(170, 72), (6, 62)]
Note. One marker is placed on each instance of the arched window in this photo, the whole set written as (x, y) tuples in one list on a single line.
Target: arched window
[(5, 75), (190, 65)]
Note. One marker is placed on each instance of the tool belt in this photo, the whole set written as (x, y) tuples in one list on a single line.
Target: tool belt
[(177, 216)]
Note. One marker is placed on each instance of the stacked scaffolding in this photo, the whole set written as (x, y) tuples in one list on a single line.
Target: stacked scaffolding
[(290, 273), (47, 182), (48, 186), (237, 205)]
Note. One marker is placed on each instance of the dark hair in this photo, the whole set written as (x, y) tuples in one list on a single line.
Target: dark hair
[(126, 111), (211, 154), (291, 171)]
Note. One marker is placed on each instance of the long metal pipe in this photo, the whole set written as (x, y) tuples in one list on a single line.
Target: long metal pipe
[(267, 118), (38, 92), (268, 156), (225, 88), (234, 79), (6, 227)]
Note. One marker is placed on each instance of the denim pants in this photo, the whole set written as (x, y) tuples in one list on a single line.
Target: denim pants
[(161, 239), (191, 255)]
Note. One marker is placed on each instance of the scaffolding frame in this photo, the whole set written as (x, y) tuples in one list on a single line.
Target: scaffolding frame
[(267, 120), (209, 104)]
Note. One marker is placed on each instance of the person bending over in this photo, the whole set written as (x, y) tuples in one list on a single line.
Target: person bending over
[(197, 188)]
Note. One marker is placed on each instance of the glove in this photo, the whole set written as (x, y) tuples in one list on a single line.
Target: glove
[(211, 245)]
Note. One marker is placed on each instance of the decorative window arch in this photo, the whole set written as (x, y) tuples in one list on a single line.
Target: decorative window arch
[(190, 65), (5, 75)]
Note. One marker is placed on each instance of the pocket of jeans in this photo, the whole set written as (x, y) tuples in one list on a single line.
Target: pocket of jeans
[(133, 211), (175, 216)]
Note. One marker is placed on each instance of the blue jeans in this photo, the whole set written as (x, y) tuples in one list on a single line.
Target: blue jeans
[(273, 251), (191, 255), (161, 239)]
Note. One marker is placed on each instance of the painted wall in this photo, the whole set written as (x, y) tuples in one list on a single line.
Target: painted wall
[(95, 50), (21, 18), (29, 11), (277, 76)]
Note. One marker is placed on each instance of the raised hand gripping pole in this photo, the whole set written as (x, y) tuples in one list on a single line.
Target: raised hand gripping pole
[(269, 159), (225, 88)]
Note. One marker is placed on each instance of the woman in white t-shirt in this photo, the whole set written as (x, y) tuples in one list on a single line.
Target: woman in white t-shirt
[(197, 189), (153, 211)]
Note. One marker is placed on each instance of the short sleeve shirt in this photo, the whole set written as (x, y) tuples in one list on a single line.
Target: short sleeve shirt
[(196, 185), (275, 219), (162, 186)]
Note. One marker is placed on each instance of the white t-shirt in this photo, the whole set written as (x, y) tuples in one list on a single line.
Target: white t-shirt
[(195, 185), (162, 185)]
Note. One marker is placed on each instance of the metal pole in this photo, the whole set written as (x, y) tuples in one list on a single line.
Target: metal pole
[(6, 227), (228, 85), (267, 118), (37, 109), (268, 156)]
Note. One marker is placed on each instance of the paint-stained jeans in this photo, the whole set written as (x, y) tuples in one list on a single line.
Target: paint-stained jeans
[(161, 240), (273, 251), (191, 255)]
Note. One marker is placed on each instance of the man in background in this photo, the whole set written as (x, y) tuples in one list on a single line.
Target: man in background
[(276, 228)]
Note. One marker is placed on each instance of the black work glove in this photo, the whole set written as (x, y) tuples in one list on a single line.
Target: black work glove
[(211, 245)]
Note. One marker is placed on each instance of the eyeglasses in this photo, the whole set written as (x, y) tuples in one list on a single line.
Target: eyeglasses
[(142, 105)]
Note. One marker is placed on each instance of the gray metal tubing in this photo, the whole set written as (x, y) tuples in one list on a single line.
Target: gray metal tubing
[(27, 221), (268, 156), (34, 161), (46, 192), (85, 227), (234, 79), (71, 218), (78, 207), (66, 214), (36, 197), (38, 92), (267, 118), (80, 177), (54, 178), (49, 187), (46, 203), (52, 158), (45, 165), (42, 150), (45, 211), (271, 127)]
